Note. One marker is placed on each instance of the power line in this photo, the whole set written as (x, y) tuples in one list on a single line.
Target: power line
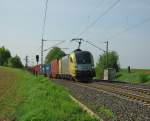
[(105, 51), (44, 20), (99, 17), (98, 6), (55, 45), (95, 46), (43, 30), (131, 27)]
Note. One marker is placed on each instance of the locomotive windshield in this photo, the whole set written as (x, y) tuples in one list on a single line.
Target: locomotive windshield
[(83, 58)]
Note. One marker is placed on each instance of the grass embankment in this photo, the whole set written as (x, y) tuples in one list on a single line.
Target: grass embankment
[(136, 76), (8, 96), (38, 99)]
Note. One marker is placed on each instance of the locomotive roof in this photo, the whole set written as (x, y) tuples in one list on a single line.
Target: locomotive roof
[(81, 51)]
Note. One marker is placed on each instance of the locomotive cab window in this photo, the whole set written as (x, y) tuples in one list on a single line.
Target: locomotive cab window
[(83, 58)]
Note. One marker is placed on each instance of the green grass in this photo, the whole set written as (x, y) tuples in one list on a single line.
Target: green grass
[(8, 96), (105, 113), (42, 100), (136, 76)]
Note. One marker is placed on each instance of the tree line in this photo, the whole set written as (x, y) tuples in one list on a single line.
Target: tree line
[(7, 60)]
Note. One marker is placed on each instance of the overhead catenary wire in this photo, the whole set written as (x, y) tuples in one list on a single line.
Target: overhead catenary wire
[(98, 6), (44, 19), (89, 42), (43, 30), (130, 28), (55, 45), (99, 17)]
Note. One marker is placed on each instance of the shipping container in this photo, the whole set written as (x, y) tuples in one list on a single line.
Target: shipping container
[(46, 69), (54, 68), (64, 65)]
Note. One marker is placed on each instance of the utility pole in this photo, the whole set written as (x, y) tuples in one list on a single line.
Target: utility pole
[(42, 44), (107, 53), (42, 47), (96, 46), (26, 59), (43, 30)]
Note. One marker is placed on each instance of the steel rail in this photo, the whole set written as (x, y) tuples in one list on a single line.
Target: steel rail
[(121, 93), (122, 86)]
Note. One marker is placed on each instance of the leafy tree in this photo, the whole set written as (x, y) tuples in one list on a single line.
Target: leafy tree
[(55, 53), (4, 56), (113, 62), (15, 62)]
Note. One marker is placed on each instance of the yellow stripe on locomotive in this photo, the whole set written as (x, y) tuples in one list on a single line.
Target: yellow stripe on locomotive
[(79, 64)]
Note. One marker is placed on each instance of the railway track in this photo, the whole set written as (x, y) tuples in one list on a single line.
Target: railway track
[(125, 104), (126, 92), (141, 90)]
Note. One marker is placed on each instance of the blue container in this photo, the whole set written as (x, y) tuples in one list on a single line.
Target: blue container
[(47, 70)]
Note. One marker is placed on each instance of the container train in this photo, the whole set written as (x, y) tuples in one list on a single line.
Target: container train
[(77, 65)]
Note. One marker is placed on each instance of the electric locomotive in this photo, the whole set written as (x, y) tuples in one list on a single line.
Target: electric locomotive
[(79, 65)]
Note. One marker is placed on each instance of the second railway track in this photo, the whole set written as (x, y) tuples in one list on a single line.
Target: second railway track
[(125, 105), (126, 92), (141, 90)]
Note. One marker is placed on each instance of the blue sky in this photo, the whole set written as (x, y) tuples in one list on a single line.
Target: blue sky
[(21, 26)]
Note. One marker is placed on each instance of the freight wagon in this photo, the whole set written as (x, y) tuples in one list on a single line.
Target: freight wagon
[(54, 68)]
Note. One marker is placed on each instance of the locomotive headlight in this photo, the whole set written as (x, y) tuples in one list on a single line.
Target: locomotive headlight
[(92, 66)]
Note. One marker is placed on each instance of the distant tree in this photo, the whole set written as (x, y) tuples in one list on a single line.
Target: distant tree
[(4, 56), (113, 62), (54, 53), (15, 62)]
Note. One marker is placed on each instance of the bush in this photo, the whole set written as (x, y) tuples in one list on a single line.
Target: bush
[(54, 53), (113, 61), (99, 72), (15, 62), (144, 78), (4, 56)]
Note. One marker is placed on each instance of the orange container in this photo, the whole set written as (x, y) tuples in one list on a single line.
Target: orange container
[(54, 68)]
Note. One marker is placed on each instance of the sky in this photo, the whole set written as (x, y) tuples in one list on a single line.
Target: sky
[(126, 26)]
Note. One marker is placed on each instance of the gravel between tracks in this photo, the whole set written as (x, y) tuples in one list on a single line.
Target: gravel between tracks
[(124, 110)]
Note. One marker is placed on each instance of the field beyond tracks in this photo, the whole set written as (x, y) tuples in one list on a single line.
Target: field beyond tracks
[(24, 97), (136, 76)]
